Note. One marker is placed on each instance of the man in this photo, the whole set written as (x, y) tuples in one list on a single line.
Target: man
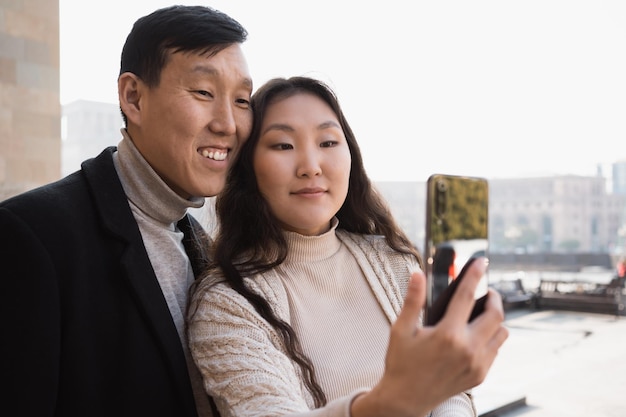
[(96, 267)]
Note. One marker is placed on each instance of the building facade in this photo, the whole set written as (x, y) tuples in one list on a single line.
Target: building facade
[(87, 128), (619, 188), (619, 177), (554, 214), (30, 110)]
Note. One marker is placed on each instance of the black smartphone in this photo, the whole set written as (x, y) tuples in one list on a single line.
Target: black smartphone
[(457, 219)]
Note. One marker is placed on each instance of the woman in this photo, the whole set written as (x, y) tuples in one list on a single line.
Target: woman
[(309, 275)]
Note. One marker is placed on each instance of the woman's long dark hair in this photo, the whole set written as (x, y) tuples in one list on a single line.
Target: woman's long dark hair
[(249, 239)]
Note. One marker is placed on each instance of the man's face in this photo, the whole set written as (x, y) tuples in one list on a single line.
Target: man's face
[(192, 124)]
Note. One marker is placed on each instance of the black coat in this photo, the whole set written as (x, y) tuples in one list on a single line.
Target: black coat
[(86, 330)]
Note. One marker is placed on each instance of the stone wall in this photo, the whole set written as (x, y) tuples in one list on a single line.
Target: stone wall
[(30, 110)]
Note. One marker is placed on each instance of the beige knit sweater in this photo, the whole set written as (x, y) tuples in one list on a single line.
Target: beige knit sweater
[(340, 292)]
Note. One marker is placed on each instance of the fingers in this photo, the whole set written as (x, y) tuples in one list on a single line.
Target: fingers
[(462, 302), (494, 302), (499, 338), (424, 366), (413, 303), (489, 324), (491, 346), (494, 311)]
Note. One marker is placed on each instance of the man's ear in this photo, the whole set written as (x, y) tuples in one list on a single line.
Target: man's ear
[(129, 88)]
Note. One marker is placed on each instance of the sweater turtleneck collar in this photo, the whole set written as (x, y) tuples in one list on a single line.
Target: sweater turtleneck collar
[(312, 248), (145, 189)]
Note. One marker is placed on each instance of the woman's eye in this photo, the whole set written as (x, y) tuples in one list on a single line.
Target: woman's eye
[(282, 146), (328, 144)]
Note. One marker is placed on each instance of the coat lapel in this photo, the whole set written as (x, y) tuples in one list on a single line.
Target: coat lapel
[(117, 219)]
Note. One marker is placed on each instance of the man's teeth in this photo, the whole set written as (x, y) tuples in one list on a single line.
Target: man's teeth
[(215, 155)]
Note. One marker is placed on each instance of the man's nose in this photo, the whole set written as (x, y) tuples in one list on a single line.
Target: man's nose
[(223, 119)]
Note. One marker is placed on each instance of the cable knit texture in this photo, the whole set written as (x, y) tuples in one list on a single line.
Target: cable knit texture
[(340, 292)]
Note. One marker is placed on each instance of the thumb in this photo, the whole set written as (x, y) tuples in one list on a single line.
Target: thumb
[(413, 303)]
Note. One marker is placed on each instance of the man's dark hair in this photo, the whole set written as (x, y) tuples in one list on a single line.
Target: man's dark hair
[(176, 29)]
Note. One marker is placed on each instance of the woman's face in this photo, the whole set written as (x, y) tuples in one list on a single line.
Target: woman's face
[(302, 163)]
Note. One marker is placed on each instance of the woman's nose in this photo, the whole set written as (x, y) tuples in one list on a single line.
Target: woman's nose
[(309, 165)]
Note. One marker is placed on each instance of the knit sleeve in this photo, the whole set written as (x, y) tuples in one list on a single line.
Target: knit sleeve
[(243, 365), (461, 405)]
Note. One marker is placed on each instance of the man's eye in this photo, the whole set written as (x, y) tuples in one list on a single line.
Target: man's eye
[(204, 93), (244, 102)]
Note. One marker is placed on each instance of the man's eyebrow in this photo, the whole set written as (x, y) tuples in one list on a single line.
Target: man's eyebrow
[(247, 82), (206, 69)]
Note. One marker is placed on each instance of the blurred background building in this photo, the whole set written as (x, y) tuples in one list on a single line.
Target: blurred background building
[(30, 110), (87, 127), (619, 177)]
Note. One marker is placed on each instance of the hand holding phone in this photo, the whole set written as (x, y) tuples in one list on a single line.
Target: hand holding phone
[(438, 308), (456, 234)]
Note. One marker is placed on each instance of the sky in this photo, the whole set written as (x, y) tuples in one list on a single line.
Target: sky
[(497, 89)]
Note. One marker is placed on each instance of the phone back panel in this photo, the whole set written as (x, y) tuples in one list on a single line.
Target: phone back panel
[(457, 214)]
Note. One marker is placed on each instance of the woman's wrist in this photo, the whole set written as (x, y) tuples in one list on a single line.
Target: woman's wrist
[(375, 403), (363, 406)]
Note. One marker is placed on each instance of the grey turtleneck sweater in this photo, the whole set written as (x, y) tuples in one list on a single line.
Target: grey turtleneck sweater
[(157, 209)]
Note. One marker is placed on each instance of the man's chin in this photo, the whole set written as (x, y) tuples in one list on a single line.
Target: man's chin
[(211, 190)]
